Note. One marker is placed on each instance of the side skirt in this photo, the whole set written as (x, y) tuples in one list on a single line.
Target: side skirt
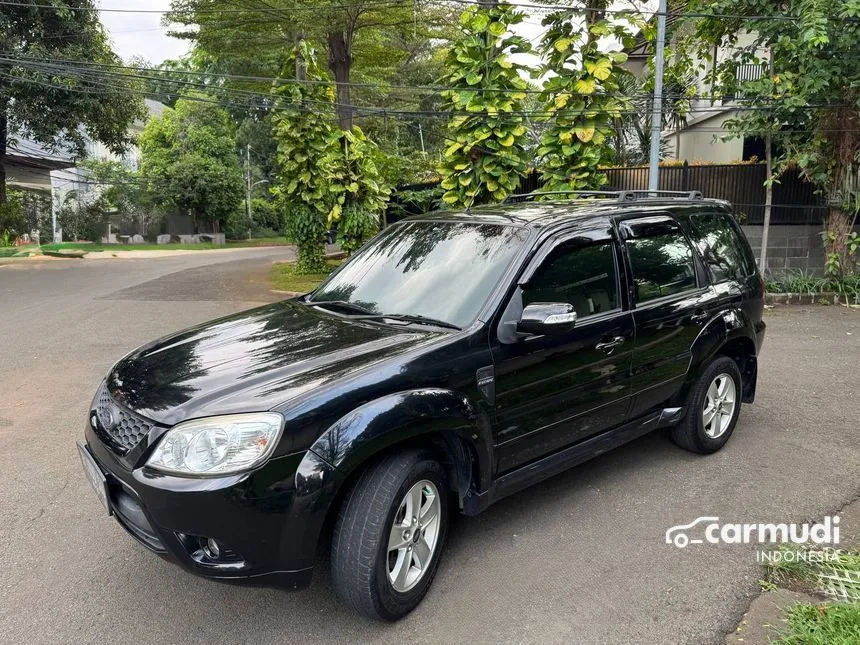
[(562, 460)]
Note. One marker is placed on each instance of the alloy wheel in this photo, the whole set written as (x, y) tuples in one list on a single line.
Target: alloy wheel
[(413, 536), (719, 406)]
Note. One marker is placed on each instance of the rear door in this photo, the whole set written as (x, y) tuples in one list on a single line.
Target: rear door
[(555, 390), (671, 303)]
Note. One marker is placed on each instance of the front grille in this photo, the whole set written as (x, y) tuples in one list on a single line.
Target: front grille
[(123, 428)]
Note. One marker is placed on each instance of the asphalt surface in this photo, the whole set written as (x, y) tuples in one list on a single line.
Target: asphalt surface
[(580, 558)]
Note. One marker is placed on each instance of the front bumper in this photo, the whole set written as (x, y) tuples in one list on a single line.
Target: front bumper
[(266, 522)]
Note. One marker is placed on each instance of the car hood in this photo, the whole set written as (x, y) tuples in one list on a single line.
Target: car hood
[(252, 361)]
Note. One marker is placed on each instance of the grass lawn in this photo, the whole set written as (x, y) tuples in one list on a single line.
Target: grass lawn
[(822, 625), (832, 623), (231, 244), (285, 278)]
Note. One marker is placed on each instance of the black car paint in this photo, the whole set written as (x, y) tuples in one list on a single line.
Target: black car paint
[(507, 414)]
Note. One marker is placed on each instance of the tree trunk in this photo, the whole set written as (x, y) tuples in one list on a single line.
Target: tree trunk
[(4, 133), (838, 227), (768, 202), (340, 63), (768, 194)]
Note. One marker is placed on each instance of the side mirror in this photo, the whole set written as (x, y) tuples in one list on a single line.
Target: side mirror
[(542, 318)]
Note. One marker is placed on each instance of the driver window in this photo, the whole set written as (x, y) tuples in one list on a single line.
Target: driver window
[(583, 276)]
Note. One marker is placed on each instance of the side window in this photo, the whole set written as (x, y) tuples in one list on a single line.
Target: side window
[(724, 251), (660, 256), (583, 276)]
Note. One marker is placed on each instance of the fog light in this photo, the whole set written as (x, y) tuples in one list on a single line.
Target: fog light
[(212, 549)]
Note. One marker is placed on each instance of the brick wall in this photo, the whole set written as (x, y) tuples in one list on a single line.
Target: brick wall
[(789, 247)]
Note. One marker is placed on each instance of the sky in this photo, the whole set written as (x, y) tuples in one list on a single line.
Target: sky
[(141, 34)]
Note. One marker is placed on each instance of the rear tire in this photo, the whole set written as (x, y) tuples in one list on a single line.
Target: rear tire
[(383, 562), (713, 407)]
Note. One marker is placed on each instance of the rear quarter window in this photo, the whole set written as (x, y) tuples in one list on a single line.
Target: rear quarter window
[(726, 252)]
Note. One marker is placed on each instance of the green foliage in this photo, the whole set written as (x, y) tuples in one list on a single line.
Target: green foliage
[(56, 108), (12, 222), (808, 103), (188, 156), (124, 192), (581, 98), (356, 189), (304, 138), (82, 218), (327, 175), (486, 153), (822, 625)]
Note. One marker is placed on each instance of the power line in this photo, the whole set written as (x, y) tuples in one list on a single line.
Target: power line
[(382, 3), (270, 102), (71, 66)]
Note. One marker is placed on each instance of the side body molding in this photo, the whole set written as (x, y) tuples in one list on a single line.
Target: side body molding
[(394, 418)]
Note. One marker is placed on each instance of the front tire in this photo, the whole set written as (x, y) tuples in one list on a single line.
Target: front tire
[(389, 535), (713, 407)]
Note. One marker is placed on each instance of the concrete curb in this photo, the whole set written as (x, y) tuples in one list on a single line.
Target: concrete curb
[(831, 297)]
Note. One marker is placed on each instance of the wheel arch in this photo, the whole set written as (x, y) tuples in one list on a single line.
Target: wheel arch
[(442, 421), (729, 333)]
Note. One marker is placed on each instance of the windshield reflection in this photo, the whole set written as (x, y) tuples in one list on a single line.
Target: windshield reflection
[(437, 269)]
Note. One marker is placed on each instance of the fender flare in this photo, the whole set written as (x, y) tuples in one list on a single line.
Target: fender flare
[(392, 419), (727, 325)]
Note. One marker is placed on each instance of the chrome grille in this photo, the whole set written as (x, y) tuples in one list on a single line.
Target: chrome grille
[(122, 428)]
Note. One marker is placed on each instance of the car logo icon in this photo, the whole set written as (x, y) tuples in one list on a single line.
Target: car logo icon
[(678, 536), (105, 418)]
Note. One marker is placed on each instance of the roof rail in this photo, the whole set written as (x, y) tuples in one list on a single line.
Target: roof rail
[(619, 195), (633, 195)]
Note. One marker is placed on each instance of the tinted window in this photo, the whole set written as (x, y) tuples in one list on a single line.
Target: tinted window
[(583, 276), (724, 251), (442, 270), (661, 259)]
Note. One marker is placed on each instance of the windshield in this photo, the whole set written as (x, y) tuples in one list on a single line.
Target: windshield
[(440, 270)]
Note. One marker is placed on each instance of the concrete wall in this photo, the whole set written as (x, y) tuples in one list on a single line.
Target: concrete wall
[(697, 141), (789, 247)]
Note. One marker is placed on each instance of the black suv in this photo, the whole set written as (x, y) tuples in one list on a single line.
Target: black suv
[(455, 359)]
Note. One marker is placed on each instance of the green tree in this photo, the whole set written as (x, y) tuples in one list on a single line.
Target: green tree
[(581, 95), (188, 157), (365, 36), (806, 99), (328, 176), (48, 104), (355, 186), (303, 126), (124, 192), (486, 154)]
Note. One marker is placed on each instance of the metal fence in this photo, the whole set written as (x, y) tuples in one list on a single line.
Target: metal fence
[(794, 200)]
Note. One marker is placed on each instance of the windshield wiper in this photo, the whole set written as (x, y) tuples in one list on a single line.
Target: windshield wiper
[(422, 320), (343, 304)]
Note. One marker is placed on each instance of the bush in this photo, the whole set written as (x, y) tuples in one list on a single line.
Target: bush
[(87, 221)]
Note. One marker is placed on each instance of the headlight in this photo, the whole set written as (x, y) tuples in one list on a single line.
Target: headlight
[(217, 445)]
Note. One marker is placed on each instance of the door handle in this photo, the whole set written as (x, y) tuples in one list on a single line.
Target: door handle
[(699, 317), (609, 345)]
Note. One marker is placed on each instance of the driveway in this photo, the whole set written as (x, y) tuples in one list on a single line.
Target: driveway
[(579, 558)]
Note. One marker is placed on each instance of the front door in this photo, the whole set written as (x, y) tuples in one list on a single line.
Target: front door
[(555, 390)]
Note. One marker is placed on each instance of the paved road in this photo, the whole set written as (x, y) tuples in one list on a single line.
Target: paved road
[(579, 558)]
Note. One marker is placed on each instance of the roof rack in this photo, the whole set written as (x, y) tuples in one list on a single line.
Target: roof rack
[(618, 195)]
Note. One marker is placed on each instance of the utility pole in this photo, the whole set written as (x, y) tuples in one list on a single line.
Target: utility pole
[(768, 192), (657, 114), (248, 187)]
